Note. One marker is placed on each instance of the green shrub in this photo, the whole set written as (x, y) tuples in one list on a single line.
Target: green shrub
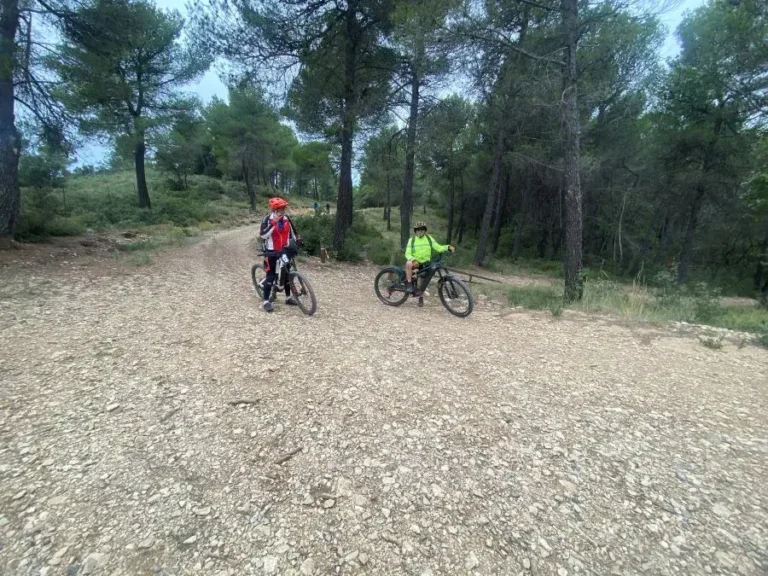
[(349, 254), (60, 226), (535, 297), (382, 252), (668, 290), (315, 231), (176, 235), (137, 246), (706, 303)]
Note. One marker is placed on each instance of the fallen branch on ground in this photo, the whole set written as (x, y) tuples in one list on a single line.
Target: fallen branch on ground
[(285, 457)]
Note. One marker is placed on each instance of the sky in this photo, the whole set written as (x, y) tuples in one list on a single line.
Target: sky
[(210, 85)]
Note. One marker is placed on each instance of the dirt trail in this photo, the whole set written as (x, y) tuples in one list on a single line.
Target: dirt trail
[(504, 443)]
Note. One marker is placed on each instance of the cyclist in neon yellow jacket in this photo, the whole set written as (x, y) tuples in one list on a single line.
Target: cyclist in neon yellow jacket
[(418, 252)]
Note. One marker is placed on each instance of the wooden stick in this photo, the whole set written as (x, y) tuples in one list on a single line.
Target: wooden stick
[(287, 456)]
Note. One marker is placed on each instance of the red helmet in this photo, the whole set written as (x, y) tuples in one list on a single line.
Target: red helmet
[(277, 203)]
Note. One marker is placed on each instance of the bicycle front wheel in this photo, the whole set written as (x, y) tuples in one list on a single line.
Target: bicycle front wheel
[(456, 297), (258, 276), (302, 291)]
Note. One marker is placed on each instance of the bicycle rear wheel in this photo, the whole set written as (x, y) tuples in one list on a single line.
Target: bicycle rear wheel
[(389, 286), (456, 297), (303, 293)]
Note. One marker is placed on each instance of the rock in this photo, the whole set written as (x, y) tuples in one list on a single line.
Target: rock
[(56, 560), (56, 500), (344, 487), (437, 492), (113, 407), (351, 556), (202, 511), (415, 529), (363, 558), (407, 548), (721, 510), (452, 530), (307, 567), (386, 512), (93, 562), (360, 500), (724, 559), (472, 562), (526, 563), (562, 571), (20, 495), (147, 543), (279, 430), (191, 540), (329, 503), (33, 526), (270, 564)]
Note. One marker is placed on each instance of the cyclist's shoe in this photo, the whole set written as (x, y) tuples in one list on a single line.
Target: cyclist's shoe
[(409, 288), (268, 306), (291, 301), (416, 293)]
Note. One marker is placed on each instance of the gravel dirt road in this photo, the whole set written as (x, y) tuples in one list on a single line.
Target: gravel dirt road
[(153, 420)]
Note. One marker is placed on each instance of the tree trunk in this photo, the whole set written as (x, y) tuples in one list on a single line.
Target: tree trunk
[(685, 253), (542, 245), (500, 210), (141, 177), (638, 261), (388, 207), (462, 206), (573, 195), (491, 198), (520, 221), (762, 262), (10, 141), (451, 210), (410, 149), (344, 201), (462, 221), (249, 186)]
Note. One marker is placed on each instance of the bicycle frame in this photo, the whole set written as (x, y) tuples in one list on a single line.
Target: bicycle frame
[(424, 276), (280, 266)]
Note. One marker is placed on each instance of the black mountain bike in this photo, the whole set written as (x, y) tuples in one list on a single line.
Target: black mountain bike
[(301, 290), (391, 289)]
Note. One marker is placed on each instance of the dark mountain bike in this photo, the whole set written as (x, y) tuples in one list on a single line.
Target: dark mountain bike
[(391, 289)]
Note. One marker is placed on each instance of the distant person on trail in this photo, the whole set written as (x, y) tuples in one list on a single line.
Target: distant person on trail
[(418, 252), (315, 206), (328, 207), (276, 232)]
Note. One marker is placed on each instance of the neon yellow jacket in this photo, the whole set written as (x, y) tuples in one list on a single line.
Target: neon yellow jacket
[(420, 249)]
